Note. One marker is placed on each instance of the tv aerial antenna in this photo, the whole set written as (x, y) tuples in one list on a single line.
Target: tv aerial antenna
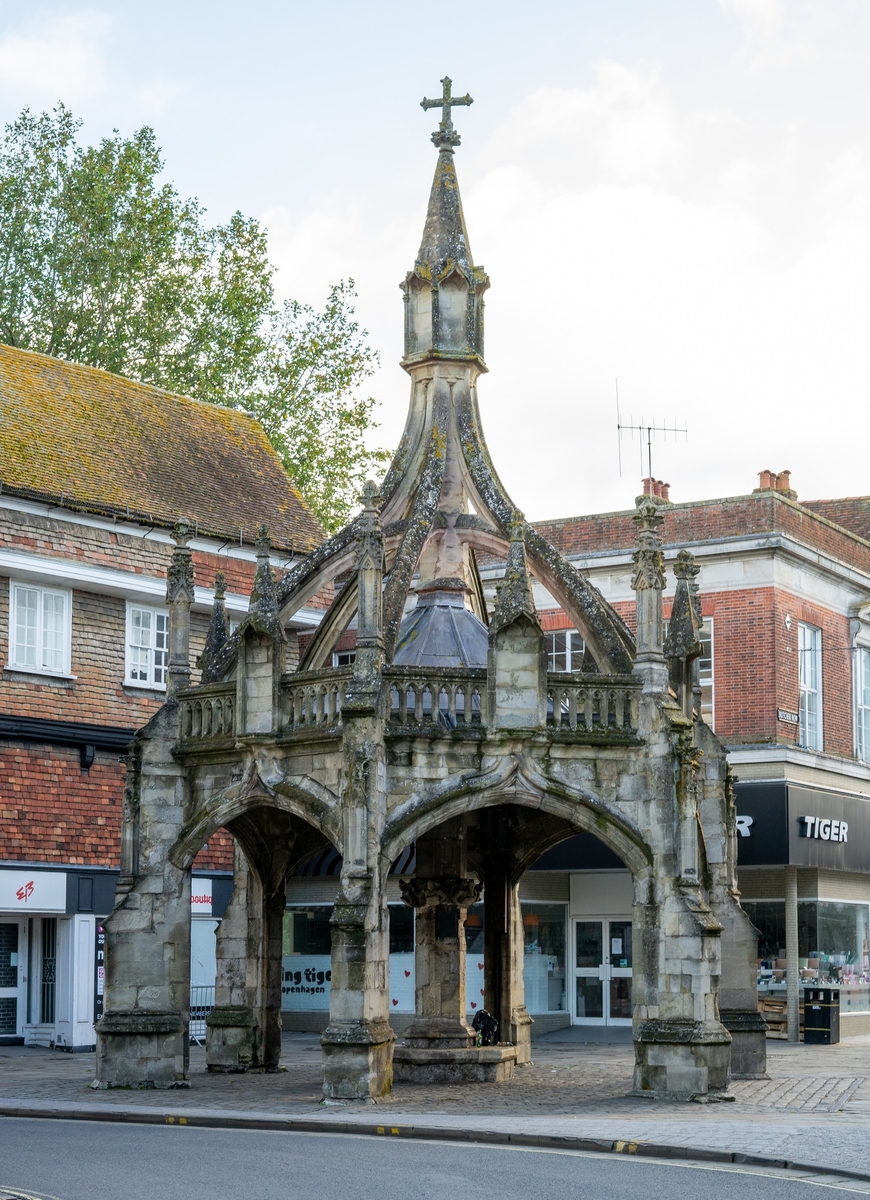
[(646, 433)]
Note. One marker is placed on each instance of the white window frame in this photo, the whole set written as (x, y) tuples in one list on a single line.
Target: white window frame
[(343, 658), (708, 676), (148, 684), (862, 703), (575, 648), (38, 667), (809, 663)]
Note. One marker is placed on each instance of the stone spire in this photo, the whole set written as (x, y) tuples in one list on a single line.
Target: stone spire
[(683, 643), (515, 592), (218, 627), (263, 608), (444, 292)]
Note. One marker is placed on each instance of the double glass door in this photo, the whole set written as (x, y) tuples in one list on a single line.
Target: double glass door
[(602, 972)]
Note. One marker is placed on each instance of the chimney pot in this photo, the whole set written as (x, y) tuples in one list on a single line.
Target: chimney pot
[(648, 487)]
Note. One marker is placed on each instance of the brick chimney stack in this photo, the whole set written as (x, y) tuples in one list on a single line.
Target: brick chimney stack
[(773, 481), (657, 490)]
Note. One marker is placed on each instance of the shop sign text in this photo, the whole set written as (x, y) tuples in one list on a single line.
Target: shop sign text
[(826, 830)]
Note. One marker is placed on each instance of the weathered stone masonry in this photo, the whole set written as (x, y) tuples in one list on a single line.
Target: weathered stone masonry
[(447, 732)]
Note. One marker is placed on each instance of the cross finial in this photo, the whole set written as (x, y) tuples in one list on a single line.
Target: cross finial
[(446, 137)]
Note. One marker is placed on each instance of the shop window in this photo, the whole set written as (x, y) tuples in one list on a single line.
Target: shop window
[(810, 680), (544, 935), (565, 649), (39, 630), (307, 930), (401, 929), (474, 930), (833, 941), (147, 646), (862, 704)]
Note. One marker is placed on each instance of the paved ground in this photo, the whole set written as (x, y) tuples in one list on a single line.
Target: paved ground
[(815, 1108)]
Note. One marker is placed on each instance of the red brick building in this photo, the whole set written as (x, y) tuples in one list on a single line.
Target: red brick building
[(785, 680), (94, 472)]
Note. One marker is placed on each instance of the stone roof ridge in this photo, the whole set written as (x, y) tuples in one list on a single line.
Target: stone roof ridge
[(514, 597)]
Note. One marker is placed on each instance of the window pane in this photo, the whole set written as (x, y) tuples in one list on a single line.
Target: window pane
[(52, 631), (577, 648), (809, 674), (26, 610), (161, 646), (557, 650), (140, 627)]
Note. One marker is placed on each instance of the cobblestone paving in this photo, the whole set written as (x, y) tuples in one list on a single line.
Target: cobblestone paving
[(814, 1108)]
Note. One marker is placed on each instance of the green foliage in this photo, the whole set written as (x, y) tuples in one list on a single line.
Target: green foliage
[(102, 264)]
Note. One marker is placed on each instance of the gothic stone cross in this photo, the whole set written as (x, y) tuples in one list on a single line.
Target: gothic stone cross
[(446, 134)]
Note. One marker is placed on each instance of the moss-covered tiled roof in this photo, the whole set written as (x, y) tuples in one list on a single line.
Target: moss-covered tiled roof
[(96, 442)]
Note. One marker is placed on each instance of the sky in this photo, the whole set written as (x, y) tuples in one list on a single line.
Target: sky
[(671, 196)]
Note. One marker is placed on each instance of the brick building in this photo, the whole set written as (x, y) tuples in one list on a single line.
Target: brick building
[(785, 682), (94, 472)]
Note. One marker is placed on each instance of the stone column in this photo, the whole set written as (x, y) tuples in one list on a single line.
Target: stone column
[(233, 1032), (792, 970), (179, 598), (142, 1038), (358, 1042), (648, 582), (504, 947), (441, 906)]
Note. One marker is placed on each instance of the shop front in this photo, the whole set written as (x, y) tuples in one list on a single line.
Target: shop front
[(804, 875), (576, 906), (48, 923)]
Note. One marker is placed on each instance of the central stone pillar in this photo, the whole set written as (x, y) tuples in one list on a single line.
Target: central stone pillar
[(441, 906)]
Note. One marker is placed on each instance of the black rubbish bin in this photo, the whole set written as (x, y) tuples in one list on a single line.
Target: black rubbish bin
[(821, 1016)]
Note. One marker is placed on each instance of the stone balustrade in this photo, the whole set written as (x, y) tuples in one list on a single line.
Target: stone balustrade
[(592, 704), (208, 712), (313, 700), (454, 697)]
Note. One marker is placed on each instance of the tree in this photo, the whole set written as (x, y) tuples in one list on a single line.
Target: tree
[(102, 264)]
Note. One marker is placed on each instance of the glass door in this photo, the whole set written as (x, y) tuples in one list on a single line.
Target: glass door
[(619, 972), (11, 975), (602, 960), (589, 973)]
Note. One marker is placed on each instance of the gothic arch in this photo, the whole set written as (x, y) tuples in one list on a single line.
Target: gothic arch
[(517, 782), (305, 799)]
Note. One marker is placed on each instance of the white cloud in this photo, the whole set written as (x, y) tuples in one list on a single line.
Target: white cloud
[(58, 58), (155, 98), (780, 33)]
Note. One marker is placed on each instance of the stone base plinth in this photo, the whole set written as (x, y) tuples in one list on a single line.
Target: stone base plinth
[(480, 1064), (231, 1040), (440, 1033), (357, 1060), (748, 1031), (681, 1059), (140, 1048)]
